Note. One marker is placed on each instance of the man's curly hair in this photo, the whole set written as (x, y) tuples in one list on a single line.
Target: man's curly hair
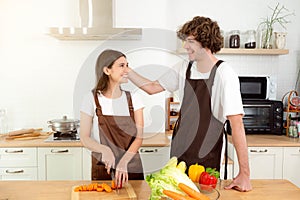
[(205, 31)]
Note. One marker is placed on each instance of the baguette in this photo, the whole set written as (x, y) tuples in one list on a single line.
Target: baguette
[(21, 132), (30, 135)]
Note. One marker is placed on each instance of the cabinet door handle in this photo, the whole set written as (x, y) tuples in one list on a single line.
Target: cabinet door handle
[(148, 150), (59, 151), (258, 151), (14, 151), (15, 172)]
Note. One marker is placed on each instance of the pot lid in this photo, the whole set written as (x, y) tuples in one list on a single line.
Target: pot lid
[(63, 120)]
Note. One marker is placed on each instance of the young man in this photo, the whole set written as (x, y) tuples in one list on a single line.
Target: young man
[(209, 94)]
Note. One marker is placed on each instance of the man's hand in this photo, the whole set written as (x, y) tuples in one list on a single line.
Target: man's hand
[(240, 183)]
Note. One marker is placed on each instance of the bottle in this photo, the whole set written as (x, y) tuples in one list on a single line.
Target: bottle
[(3, 121), (250, 39), (234, 39)]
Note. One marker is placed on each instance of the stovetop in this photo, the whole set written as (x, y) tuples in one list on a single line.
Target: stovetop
[(63, 137)]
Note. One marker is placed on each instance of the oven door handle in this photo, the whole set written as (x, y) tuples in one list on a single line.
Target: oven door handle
[(256, 105)]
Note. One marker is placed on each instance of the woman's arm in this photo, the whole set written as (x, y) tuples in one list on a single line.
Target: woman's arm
[(133, 149), (86, 124)]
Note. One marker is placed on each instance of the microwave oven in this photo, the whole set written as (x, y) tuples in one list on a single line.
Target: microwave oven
[(262, 117), (258, 87)]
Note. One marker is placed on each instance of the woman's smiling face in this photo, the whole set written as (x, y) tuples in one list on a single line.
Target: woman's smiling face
[(118, 72)]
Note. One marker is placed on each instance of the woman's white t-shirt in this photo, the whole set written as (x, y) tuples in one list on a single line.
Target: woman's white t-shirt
[(117, 107), (226, 97)]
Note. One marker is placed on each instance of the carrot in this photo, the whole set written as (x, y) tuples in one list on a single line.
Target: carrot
[(77, 189), (90, 187), (176, 196), (192, 193), (106, 187), (113, 185), (100, 189), (84, 188)]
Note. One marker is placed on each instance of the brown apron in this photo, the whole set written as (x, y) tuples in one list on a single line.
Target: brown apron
[(118, 133), (197, 136)]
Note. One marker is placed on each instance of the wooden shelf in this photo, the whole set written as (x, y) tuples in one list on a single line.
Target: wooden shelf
[(288, 110), (241, 51), (170, 119)]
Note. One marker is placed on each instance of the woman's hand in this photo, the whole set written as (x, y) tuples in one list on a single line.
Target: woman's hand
[(121, 172), (108, 158)]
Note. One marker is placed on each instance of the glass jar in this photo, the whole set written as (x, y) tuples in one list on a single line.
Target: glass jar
[(250, 42), (3, 121), (234, 39)]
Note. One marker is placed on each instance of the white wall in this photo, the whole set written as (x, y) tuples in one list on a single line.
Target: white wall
[(38, 73)]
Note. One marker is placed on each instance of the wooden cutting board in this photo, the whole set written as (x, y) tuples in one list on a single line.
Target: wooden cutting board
[(127, 192)]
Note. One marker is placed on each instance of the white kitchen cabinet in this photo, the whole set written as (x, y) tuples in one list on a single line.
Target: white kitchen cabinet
[(86, 164), (264, 162), (154, 158), (291, 164), (60, 163), (18, 164)]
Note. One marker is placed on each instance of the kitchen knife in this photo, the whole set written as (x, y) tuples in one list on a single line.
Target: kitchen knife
[(113, 177)]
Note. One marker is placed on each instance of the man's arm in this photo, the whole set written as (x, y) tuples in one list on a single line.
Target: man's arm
[(242, 181), (151, 87)]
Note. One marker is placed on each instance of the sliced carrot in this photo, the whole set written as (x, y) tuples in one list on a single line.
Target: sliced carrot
[(106, 187), (192, 193), (100, 189), (95, 186), (77, 189), (84, 188), (176, 196), (90, 187), (113, 185)]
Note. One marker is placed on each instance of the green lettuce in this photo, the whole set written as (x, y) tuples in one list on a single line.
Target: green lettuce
[(168, 178)]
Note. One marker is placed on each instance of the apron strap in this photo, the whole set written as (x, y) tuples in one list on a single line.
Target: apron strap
[(130, 106), (210, 80), (98, 107), (226, 151)]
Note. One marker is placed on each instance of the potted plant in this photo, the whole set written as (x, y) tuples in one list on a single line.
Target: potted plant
[(279, 15)]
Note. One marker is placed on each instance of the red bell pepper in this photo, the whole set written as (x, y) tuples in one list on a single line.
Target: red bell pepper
[(209, 177)]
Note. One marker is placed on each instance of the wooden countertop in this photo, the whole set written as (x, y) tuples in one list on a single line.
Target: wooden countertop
[(160, 140), (270, 141), (150, 139), (61, 190)]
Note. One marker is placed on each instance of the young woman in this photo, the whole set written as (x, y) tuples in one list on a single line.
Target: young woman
[(111, 122)]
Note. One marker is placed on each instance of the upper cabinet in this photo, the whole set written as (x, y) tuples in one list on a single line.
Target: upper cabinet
[(241, 51)]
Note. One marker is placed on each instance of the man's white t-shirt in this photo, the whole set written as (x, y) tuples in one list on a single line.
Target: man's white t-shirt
[(225, 98), (117, 107)]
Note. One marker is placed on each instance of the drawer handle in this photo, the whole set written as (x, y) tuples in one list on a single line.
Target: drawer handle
[(15, 172), (59, 151), (148, 151), (260, 151), (14, 151)]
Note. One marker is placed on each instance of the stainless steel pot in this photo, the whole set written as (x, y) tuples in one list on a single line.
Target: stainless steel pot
[(64, 125)]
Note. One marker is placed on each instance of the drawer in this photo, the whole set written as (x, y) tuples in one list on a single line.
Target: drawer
[(154, 158), (22, 173), (18, 157)]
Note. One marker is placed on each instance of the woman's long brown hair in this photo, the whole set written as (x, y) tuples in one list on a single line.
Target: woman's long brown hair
[(105, 59)]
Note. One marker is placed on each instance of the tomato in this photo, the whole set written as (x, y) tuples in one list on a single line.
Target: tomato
[(195, 171)]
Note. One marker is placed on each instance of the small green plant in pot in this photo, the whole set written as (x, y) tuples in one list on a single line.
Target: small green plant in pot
[(279, 15)]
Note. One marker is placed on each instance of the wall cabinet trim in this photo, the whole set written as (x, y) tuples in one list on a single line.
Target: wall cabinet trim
[(240, 51)]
